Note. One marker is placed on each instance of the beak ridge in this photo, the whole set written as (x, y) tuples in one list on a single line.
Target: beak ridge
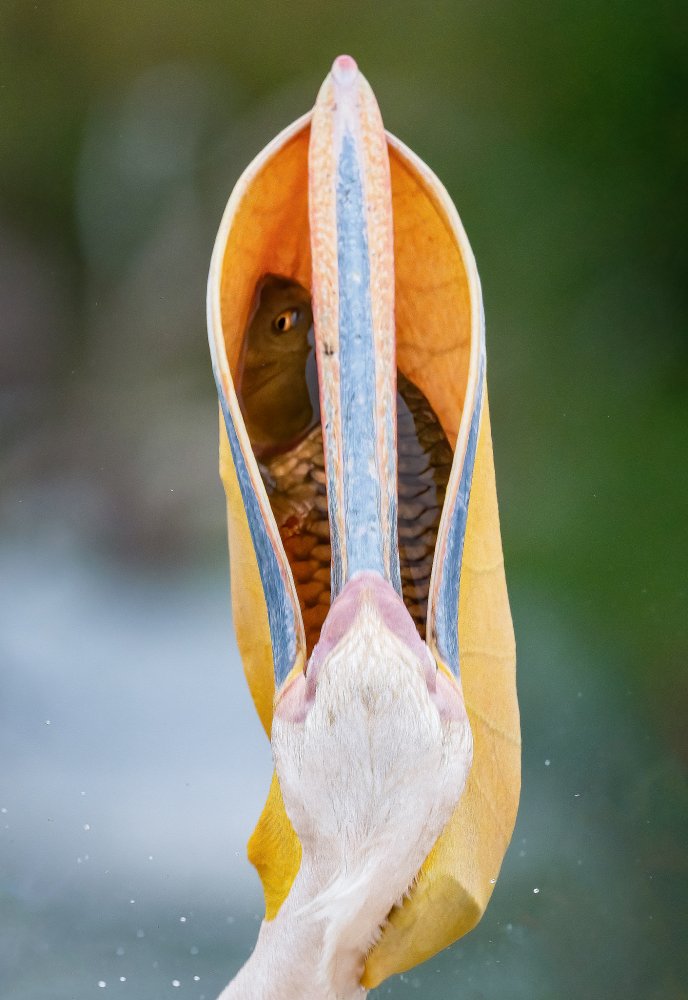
[(350, 207)]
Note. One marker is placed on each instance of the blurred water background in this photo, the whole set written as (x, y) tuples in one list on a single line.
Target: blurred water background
[(133, 766)]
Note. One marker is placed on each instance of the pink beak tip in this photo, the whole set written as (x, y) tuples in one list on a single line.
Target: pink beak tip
[(344, 70)]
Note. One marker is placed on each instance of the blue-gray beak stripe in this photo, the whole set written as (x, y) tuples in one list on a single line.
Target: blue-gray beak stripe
[(363, 530), (279, 607)]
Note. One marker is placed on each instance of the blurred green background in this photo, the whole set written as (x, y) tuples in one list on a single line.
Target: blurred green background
[(133, 767)]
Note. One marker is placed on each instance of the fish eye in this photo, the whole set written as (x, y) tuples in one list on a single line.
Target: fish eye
[(286, 320)]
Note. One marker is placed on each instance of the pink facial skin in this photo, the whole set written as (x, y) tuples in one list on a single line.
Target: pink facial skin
[(298, 696)]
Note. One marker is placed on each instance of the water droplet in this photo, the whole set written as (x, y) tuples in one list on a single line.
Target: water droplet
[(150, 857), (197, 979), (3, 810), (47, 722), (102, 984), (176, 983), (548, 762), (87, 827), (182, 920), (122, 979), (536, 891), (132, 900)]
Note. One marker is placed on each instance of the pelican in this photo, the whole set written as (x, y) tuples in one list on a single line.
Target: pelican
[(347, 339)]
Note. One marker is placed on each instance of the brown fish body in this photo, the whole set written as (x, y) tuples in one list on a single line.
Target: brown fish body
[(281, 412)]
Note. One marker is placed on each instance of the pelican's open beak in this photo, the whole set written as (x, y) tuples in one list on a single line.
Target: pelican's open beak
[(337, 208)]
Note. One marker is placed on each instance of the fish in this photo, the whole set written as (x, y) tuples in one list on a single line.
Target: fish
[(277, 390)]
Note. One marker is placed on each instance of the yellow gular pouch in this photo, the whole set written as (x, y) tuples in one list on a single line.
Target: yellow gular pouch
[(259, 294)]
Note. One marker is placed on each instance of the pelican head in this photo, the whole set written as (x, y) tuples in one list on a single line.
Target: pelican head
[(372, 747), (352, 434)]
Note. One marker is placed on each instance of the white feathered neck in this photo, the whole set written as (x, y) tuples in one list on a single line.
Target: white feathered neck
[(369, 779)]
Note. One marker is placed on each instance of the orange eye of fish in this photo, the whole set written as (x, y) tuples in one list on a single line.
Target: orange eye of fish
[(286, 320)]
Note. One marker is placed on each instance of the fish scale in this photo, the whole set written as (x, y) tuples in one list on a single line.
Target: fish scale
[(295, 483)]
